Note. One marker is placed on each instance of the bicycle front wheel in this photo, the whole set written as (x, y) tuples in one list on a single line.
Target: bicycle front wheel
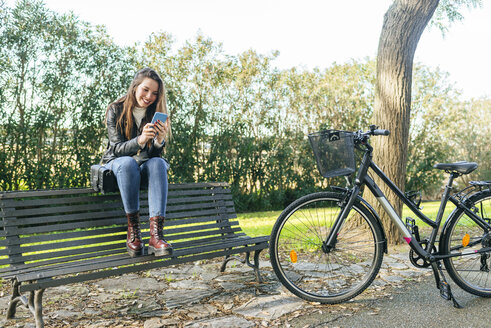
[(463, 235), (311, 272)]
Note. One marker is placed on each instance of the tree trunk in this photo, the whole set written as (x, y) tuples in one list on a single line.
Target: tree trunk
[(404, 22)]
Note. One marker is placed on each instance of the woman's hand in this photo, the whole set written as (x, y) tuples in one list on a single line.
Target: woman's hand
[(150, 130), (161, 129), (148, 134)]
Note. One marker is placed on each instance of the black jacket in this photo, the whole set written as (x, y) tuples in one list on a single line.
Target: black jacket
[(118, 145)]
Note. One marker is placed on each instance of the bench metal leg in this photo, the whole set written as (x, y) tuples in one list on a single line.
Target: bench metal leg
[(36, 307), (14, 299), (255, 266), (34, 304), (229, 258), (39, 308), (247, 261)]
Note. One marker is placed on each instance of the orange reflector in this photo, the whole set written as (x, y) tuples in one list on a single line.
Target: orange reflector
[(293, 256), (466, 240)]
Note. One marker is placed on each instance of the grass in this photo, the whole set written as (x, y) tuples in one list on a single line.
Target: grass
[(261, 223), (258, 223)]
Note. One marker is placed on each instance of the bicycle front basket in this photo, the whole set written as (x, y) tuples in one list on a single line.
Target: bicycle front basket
[(334, 152)]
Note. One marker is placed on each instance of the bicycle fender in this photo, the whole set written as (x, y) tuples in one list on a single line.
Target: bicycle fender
[(445, 226), (466, 201), (370, 209), (378, 220)]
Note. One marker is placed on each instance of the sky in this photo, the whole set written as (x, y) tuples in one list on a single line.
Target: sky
[(307, 33)]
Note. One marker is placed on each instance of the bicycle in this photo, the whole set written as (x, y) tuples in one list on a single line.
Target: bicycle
[(328, 246)]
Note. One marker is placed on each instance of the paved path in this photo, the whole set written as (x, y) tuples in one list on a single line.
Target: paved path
[(414, 305), (198, 295)]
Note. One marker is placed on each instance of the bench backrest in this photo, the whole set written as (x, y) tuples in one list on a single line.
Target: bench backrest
[(47, 227)]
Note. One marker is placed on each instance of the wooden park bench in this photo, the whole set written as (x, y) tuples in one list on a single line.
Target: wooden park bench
[(50, 238)]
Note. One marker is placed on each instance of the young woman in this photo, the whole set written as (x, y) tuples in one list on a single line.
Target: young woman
[(134, 155)]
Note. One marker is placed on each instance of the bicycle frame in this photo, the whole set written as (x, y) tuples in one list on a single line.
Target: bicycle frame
[(363, 178)]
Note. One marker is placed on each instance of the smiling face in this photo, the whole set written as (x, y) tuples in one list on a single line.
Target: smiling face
[(147, 92)]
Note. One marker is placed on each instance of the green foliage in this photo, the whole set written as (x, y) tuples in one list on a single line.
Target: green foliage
[(449, 11), (467, 130), (432, 99), (444, 129), (234, 118), (58, 74)]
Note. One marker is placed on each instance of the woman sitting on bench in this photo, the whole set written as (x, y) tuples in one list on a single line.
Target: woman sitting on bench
[(134, 155)]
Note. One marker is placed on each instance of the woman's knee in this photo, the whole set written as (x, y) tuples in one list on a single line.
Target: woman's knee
[(156, 166), (126, 164), (156, 163)]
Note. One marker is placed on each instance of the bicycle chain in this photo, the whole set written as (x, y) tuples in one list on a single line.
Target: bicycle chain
[(417, 260)]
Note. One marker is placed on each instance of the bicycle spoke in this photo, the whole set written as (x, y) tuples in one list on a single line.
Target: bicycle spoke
[(311, 272), (470, 272)]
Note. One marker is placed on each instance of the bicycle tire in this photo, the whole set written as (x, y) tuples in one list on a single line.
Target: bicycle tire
[(471, 272), (313, 275)]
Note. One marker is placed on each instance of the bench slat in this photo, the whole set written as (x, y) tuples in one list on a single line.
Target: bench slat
[(100, 227), (40, 211), (7, 273), (136, 268), (93, 252), (14, 231), (85, 266), (171, 214), (188, 206), (67, 255), (10, 205), (110, 241), (190, 247), (116, 227), (16, 250), (61, 257), (50, 192), (73, 191), (50, 201), (13, 222), (178, 186), (46, 206)]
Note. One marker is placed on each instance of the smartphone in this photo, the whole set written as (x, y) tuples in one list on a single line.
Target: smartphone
[(158, 116)]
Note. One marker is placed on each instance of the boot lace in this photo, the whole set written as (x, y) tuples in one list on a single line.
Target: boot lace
[(135, 228), (160, 228)]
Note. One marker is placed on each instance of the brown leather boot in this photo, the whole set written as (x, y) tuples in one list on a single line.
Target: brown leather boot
[(134, 242), (157, 244)]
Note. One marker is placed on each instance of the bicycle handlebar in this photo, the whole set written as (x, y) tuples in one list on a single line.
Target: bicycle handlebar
[(362, 137), (380, 132)]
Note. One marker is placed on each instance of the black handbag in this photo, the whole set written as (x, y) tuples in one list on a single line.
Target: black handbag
[(103, 179)]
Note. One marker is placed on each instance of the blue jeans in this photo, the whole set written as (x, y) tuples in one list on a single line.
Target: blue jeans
[(130, 176)]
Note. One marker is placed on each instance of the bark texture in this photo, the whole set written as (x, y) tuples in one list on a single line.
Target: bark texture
[(404, 22)]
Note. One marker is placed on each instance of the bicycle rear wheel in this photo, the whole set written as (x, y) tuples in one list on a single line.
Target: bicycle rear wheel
[(471, 272), (302, 266)]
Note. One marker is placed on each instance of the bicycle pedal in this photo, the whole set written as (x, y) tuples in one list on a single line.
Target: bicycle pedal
[(410, 223), (413, 228), (445, 292)]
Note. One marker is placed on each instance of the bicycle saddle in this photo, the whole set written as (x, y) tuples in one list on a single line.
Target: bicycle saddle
[(459, 167)]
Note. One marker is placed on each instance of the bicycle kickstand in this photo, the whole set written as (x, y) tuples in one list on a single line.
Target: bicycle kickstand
[(442, 284)]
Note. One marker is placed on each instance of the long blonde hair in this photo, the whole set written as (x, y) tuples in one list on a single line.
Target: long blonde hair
[(129, 101)]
